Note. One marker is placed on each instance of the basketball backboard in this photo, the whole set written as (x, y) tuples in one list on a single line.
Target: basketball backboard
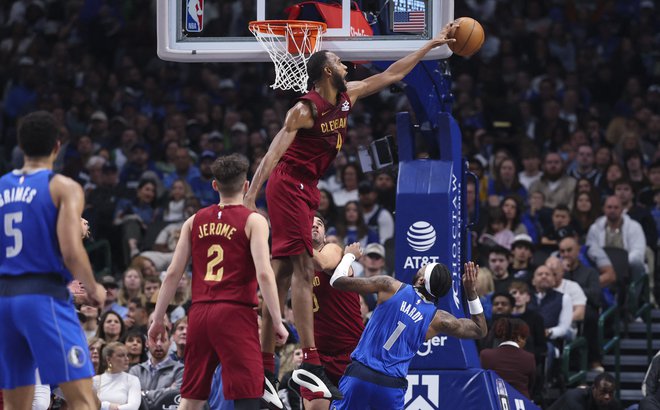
[(217, 30)]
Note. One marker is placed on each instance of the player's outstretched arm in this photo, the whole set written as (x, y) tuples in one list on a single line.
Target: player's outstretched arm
[(175, 271), (385, 286), (400, 68), (473, 328), (257, 228), (299, 116), (380, 284), (69, 198)]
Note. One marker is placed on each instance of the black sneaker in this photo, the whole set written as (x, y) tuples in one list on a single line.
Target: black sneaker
[(313, 378), (270, 400)]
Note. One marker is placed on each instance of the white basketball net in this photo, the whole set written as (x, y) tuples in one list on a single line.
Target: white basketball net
[(289, 45)]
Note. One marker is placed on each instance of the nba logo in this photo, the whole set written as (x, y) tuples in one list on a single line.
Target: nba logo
[(194, 15)]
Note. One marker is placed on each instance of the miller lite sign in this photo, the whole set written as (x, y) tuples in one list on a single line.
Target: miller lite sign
[(194, 16)]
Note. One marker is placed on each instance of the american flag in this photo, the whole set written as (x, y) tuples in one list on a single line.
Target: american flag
[(409, 21)]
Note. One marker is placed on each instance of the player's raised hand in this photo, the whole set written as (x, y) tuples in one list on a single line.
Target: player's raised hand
[(445, 35), (281, 334), (355, 249), (470, 279)]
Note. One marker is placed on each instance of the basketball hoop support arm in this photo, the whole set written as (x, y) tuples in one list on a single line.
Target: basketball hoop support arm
[(427, 101)]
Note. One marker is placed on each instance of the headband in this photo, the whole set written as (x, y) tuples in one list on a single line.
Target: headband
[(428, 269)]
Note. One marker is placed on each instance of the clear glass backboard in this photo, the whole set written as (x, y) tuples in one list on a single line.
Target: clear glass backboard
[(217, 30)]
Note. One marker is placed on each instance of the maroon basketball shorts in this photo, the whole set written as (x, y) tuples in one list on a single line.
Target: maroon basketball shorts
[(224, 333), (335, 364), (292, 202)]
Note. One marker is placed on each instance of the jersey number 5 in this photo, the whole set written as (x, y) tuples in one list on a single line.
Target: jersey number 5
[(13, 232), (218, 255)]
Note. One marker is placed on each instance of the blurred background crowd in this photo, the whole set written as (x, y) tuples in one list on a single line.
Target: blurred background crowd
[(559, 111)]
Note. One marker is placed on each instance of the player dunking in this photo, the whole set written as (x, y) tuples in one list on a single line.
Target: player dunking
[(230, 255), (405, 317), (337, 319), (313, 133), (40, 247)]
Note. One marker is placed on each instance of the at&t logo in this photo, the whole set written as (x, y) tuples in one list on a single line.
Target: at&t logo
[(421, 236)]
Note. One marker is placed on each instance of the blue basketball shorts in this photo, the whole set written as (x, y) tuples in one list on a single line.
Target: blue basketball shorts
[(40, 331), (381, 392)]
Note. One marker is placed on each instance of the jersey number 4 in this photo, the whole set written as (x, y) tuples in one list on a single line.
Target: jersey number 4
[(340, 142), (217, 254), (11, 231)]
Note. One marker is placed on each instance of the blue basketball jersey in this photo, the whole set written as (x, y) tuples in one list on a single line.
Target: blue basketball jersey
[(395, 332), (28, 242)]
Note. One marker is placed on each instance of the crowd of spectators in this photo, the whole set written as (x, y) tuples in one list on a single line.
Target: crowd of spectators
[(559, 112)]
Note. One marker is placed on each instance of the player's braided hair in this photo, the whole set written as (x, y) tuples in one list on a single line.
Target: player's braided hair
[(440, 280), (38, 134), (316, 64), (230, 172)]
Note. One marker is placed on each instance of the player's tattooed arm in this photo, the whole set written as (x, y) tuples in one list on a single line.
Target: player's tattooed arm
[(380, 283), (473, 328), (448, 324)]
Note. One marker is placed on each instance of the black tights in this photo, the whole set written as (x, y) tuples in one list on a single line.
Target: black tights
[(246, 404)]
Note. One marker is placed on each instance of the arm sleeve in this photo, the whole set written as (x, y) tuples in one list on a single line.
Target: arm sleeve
[(134, 396), (565, 318)]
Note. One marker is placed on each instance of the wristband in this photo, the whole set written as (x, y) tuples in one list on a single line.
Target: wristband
[(475, 307), (105, 405), (342, 268)]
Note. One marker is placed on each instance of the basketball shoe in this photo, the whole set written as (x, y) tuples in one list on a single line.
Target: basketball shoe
[(270, 400), (314, 379)]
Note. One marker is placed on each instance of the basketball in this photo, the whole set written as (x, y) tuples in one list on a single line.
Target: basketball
[(469, 37)]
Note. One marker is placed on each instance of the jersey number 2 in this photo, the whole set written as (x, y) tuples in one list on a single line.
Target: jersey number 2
[(394, 336), (13, 232), (218, 255)]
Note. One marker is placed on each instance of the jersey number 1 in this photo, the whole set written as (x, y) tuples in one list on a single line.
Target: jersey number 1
[(394, 336), (218, 255), (13, 232)]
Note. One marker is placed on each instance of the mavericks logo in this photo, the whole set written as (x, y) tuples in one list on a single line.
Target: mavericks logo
[(77, 356), (421, 236)]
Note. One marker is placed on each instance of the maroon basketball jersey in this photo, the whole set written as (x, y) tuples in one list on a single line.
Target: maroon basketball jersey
[(337, 319), (313, 150), (222, 265)]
